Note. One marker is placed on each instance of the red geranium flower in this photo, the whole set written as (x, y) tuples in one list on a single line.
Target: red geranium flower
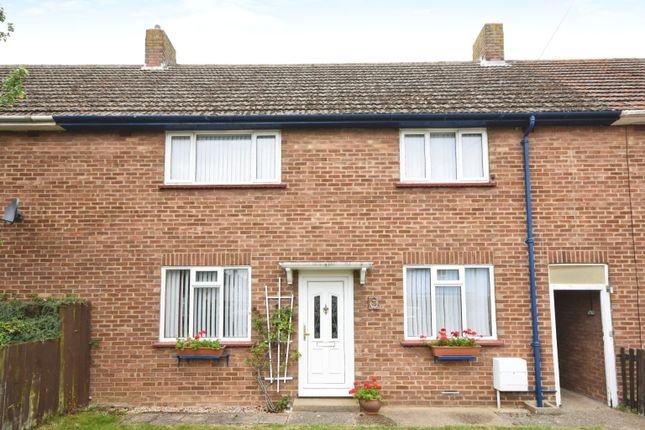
[(352, 391), (367, 385), (373, 378)]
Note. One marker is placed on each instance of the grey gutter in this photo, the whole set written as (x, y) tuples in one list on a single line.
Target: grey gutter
[(28, 123)]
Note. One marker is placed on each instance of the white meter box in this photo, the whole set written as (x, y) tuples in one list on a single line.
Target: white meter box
[(510, 374)]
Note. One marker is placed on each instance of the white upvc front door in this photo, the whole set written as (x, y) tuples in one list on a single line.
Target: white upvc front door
[(326, 334)]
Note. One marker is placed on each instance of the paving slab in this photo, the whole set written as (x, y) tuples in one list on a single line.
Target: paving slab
[(442, 416), (194, 419), (304, 404), (169, 418), (140, 418), (329, 418)]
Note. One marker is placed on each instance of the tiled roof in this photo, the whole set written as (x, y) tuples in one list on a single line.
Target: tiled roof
[(455, 87)]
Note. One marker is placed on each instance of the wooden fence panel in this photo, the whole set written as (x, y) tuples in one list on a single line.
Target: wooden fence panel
[(640, 359), (632, 371), (44, 378)]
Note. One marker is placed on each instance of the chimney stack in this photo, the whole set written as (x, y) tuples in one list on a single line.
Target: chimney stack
[(489, 45), (159, 50)]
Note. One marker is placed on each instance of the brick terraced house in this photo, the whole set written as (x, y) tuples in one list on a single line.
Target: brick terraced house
[(390, 199)]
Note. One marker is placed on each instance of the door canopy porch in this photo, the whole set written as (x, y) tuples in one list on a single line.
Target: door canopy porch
[(289, 267)]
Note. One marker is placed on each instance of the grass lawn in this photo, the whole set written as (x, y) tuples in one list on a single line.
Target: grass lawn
[(93, 420)]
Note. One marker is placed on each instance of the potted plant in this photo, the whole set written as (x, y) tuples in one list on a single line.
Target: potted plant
[(368, 395), (198, 346), (460, 344)]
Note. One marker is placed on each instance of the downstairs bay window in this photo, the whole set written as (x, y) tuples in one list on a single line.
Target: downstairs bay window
[(451, 297), (222, 158), (213, 299), (444, 156)]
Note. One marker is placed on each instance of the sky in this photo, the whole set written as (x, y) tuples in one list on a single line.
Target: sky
[(318, 31)]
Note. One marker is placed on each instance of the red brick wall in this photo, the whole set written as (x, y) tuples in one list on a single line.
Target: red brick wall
[(580, 343), (97, 225)]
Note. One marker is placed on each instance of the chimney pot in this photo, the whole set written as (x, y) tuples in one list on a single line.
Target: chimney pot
[(489, 45), (159, 50)]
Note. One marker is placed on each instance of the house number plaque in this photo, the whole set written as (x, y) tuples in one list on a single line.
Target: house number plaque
[(373, 303)]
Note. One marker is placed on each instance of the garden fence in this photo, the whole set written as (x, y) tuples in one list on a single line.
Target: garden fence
[(632, 371), (39, 379)]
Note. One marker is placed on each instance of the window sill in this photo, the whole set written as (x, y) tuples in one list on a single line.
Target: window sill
[(220, 186), (486, 343), (445, 184), (171, 345)]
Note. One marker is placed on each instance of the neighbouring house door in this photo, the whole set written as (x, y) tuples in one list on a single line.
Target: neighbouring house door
[(326, 334)]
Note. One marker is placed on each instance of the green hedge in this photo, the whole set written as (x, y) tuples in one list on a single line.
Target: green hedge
[(35, 320)]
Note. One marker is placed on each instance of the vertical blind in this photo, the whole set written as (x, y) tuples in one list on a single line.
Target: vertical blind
[(418, 312), (223, 159), (236, 303), (265, 158), (231, 301), (415, 158), (472, 155), (448, 308), (478, 312), (180, 158), (206, 311), (443, 156), (176, 303)]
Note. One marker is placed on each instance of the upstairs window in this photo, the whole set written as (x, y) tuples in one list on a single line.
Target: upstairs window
[(221, 158), (444, 156)]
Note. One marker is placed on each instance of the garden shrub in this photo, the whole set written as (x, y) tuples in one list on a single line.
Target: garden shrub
[(36, 320)]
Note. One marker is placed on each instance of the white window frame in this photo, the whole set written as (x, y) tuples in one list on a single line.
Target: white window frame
[(459, 132), (461, 283), (193, 284), (193, 156)]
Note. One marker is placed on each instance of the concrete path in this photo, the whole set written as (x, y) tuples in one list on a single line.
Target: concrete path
[(580, 411), (577, 411), (389, 416)]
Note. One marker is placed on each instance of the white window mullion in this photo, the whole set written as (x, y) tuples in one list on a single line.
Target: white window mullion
[(191, 305), (427, 154), (220, 311), (278, 158), (168, 159), (254, 155), (485, 156), (433, 297), (493, 315), (462, 289), (459, 148), (193, 157)]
